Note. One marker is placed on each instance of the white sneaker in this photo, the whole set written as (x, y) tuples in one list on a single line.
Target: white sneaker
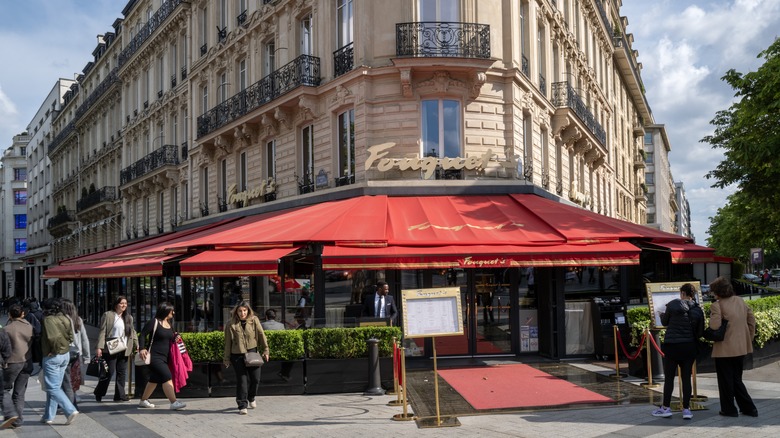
[(145, 404), (252, 404), (242, 411), (71, 417), (177, 406)]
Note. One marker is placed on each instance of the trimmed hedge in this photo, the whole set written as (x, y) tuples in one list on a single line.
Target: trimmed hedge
[(325, 343)]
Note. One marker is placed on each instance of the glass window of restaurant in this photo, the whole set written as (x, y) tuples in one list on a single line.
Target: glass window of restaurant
[(584, 288)]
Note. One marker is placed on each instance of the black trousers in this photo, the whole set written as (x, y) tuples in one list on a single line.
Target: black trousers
[(678, 355), (117, 363), (730, 386), (247, 381)]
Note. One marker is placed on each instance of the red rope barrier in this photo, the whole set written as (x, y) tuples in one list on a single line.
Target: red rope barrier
[(639, 349), (652, 340)]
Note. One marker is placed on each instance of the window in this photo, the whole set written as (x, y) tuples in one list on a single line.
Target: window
[(648, 138), (306, 34), (440, 10), (174, 206), (20, 174), (20, 246), (23, 151), (204, 194), (20, 221), (441, 128), (649, 179), (20, 197), (160, 209), (242, 75), (650, 198), (242, 172), (346, 163), (204, 98), (649, 157), (223, 89), (269, 58), (270, 159), (345, 20), (307, 154), (650, 218)]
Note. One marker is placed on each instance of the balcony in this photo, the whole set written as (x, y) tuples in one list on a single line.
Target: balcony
[(345, 180), (343, 60), (564, 96), (69, 129), (165, 156), (639, 161), (105, 194), (57, 225), (303, 70), (241, 19), (155, 21), (173, 80), (441, 39), (184, 153)]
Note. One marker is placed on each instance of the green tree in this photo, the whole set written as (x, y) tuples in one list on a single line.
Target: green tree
[(749, 134)]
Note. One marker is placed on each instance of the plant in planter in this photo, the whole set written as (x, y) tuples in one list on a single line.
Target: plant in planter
[(337, 358)]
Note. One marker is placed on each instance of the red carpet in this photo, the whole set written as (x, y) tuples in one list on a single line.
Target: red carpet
[(515, 386)]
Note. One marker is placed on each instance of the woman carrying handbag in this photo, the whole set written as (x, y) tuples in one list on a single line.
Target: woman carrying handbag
[(156, 348), (116, 340), (243, 335)]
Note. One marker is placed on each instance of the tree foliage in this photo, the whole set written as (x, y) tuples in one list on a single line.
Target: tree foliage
[(749, 134)]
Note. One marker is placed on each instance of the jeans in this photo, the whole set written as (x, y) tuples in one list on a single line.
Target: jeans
[(247, 380), (15, 380), (116, 363), (53, 371)]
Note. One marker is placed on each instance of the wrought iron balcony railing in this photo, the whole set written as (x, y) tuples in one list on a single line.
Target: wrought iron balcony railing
[(165, 156), (146, 31), (241, 18), (63, 217), (61, 136), (344, 60), (564, 96), (303, 70), (105, 194), (442, 39)]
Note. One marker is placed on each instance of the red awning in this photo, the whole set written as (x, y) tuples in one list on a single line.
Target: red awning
[(219, 263), (689, 253), (140, 267), (479, 256)]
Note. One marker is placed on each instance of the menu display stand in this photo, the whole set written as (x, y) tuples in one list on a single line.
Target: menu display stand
[(431, 313)]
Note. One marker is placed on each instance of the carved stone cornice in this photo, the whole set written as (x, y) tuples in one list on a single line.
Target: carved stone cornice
[(307, 108), (269, 125), (283, 117)]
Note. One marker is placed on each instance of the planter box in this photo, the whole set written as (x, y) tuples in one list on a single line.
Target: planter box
[(223, 381), (324, 376)]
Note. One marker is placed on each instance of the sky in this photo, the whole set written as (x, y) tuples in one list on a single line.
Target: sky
[(685, 47)]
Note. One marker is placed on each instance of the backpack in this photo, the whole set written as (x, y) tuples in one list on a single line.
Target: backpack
[(696, 317)]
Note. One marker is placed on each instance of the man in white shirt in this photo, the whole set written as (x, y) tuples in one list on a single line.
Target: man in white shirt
[(381, 304)]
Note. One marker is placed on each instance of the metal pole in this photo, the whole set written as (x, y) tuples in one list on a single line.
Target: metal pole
[(374, 375)]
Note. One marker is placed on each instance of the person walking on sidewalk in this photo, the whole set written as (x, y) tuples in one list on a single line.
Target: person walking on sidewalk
[(73, 376), (55, 341), (159, 332), (730, 353), (243, 334), (683, 320), (19, 366), (115, 324), (5, 354)]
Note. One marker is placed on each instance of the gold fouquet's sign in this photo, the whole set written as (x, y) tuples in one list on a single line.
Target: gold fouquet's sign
[(268, 186), (378, 154)]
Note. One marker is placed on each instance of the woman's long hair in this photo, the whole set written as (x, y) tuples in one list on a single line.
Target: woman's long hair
[(125, 315), (234, 319), (69, 309), (52, 306), (163, 310)]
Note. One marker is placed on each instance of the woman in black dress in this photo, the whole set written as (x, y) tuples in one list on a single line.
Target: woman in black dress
[(160, 331)]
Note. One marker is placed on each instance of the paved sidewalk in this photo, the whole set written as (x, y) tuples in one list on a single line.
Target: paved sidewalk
[(348, 415)]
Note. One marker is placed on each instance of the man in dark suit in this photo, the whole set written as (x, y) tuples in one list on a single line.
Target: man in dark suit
[(380, 304)]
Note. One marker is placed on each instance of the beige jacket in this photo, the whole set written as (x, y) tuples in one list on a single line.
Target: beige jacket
[(238, 340), (741, 328), (107, 326)]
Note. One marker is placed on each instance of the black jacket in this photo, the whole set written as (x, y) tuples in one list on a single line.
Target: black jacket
[(677, 320), (5, 347)]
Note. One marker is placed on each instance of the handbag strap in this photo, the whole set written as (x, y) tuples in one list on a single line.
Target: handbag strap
[(152, 338), (243, 330)]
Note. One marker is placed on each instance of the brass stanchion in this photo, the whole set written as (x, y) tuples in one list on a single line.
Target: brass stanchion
[(396, 387), (695, 396), (649, 383), (615, 334), (406, 416)]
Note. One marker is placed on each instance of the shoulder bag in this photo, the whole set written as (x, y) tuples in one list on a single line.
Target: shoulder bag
[(139, 361), (252, 358), (72, 348), (716, 335)]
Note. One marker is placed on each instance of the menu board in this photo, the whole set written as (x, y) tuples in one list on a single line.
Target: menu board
[(432, 312), (660, 294)]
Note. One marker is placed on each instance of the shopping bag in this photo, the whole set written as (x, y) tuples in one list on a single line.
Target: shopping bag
[(98, 367)]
